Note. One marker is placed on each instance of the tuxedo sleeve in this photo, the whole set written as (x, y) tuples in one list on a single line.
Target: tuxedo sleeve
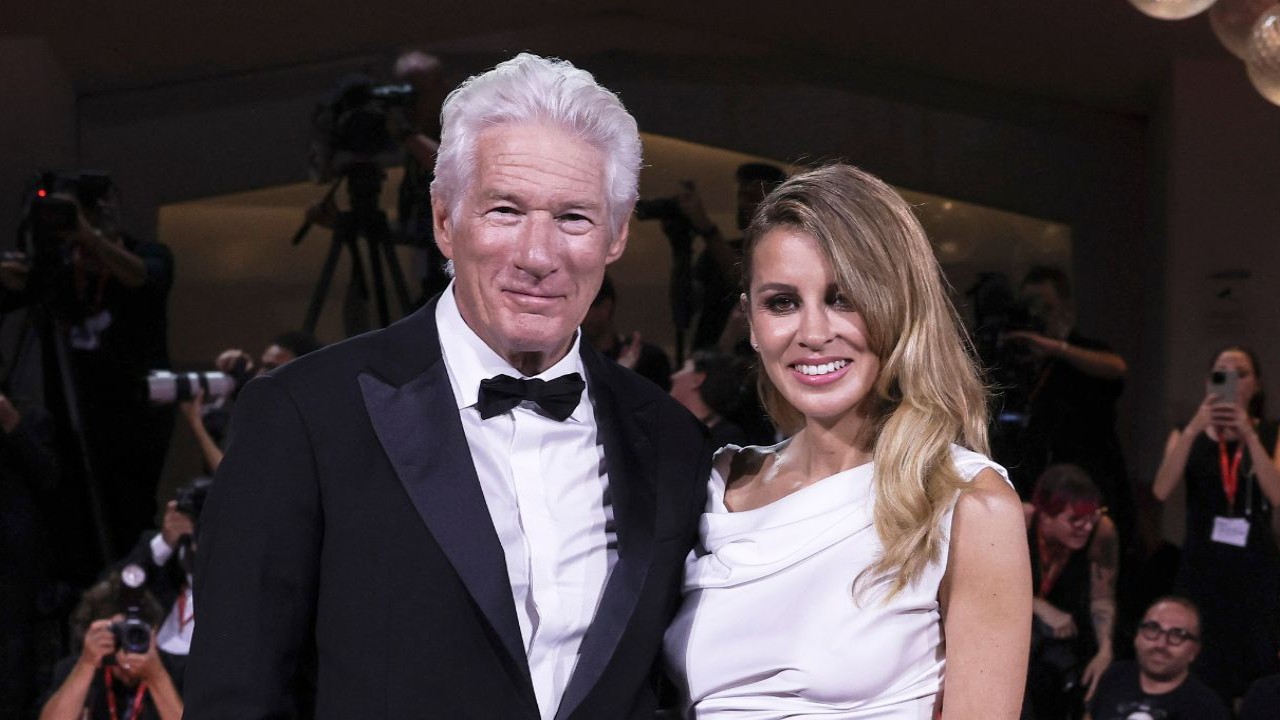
[(257, 564)]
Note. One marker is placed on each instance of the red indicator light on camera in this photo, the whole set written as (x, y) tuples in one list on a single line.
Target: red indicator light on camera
[(42, 192)]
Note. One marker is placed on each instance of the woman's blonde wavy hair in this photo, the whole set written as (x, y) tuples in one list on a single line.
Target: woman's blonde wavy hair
[(928, 393)]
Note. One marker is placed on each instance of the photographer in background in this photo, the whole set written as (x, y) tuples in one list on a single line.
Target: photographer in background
[(631, 351), (102, 294), (717, 268), (168, 556), (210, 421), (1068, 385), (417, 128), (111, 677)]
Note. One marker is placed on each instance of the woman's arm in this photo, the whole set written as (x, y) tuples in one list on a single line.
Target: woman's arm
[(986, 604), (1104, 563), (1177, 448), (1266, 463)]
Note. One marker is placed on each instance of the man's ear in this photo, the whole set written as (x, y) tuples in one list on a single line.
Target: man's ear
[(440, 224), (618, 244)]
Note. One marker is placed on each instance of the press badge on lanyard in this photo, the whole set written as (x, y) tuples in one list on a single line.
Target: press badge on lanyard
[(1232, 530)]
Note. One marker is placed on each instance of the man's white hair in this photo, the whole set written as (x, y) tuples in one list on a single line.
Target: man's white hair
[(533, 89)]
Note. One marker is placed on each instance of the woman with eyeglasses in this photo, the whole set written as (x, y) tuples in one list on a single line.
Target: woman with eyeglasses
[(1074, 556), (1227, 456)]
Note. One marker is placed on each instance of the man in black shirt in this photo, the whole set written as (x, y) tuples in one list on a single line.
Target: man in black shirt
[(1067, 387), (1159, 686)]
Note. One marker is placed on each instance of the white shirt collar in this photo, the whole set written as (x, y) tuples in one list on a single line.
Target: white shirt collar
[(470, 360)]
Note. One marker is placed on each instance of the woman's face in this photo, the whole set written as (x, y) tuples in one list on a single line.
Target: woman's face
[(812, 342), (1239, 363), (1073, 526)]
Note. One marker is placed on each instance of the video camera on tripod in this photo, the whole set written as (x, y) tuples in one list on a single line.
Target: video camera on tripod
[(351, 125), (350, 133), (53, 205)]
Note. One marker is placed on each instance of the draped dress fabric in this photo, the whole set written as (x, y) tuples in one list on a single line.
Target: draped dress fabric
[(770, 627)]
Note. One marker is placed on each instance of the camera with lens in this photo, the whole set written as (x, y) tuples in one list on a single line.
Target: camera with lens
[(667, 211), (51, 214), (353, 122), (189, 500), (190, 497), (132, 634), (165, 387)]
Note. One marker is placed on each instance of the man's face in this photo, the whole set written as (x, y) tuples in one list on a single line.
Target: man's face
[(1045, 297), (1161, 659), (1073, 526), (530, 241)]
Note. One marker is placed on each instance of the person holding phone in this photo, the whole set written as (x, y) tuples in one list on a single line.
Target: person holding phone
[(1227, 456)]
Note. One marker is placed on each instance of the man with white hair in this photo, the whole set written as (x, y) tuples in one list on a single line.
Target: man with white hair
[(469, 514)]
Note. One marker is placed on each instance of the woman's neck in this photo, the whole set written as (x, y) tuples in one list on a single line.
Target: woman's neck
[(821, 450)]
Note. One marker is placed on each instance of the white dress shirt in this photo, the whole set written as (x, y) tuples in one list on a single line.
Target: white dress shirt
[(174, 634), (546, 486)]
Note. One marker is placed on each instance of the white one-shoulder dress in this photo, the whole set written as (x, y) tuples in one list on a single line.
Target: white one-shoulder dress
[(770, 628)]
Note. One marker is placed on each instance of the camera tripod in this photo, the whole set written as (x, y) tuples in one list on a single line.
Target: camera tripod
[(365, 220), (45, 334)]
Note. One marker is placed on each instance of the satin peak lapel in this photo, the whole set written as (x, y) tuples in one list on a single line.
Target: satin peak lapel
[(419, 428), (624, 430)]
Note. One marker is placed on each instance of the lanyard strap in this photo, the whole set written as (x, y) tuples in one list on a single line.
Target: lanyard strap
[(1051, 564), (183, 617), (1230, 471), (111, 696)]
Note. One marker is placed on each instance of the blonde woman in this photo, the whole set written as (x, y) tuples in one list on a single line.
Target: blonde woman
[(873, 565)]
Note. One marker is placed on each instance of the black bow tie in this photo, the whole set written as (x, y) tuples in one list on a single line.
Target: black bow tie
[(557, 397)]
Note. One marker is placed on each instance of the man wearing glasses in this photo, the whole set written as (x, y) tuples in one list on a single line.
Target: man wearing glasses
[(1159, 685)]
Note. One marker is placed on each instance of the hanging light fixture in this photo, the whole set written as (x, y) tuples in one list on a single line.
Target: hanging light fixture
[(1232, 21), (1262, 56), (1172, 9)]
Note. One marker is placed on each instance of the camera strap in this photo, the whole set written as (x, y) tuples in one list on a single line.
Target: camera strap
[(1230, 472), (183, 617), (138, 697)]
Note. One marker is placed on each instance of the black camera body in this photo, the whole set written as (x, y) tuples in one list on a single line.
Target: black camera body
[(51, 214), (190, 497), (354, 118), (132, 634)]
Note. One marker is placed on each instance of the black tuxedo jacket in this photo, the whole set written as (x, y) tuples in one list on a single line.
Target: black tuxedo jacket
[(346, 531)]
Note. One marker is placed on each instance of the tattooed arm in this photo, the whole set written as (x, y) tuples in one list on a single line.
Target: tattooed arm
[(1104, 565)]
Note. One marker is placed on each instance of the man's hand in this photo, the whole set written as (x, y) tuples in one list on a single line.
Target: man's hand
[(227, 360), (175, 524), (1039, 345), (99, 642), (193, 409), (147, 666), (14, 270), (1061, 623), (1094, 670), (629, 356), (9, 415)]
